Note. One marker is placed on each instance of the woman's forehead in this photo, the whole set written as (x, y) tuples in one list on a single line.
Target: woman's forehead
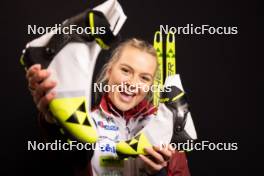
[(138, 59)]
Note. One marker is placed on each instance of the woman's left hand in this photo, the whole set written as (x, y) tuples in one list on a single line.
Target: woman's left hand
[(157, 158)]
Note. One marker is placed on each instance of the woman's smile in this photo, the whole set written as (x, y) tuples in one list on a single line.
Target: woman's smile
[(126, 94)]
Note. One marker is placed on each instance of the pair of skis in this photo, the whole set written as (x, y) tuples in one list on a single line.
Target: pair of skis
[(169, 60)]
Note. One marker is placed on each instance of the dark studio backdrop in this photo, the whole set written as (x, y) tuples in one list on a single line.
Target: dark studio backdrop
[(218, 73)]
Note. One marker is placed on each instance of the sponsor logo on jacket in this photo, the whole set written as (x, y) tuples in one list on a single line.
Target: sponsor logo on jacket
[(107, 148), (106, 126)]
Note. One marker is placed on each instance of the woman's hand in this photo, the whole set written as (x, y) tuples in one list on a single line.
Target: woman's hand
[(40, 87), (158, 158)]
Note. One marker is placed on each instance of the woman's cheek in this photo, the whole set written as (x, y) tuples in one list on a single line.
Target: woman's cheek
[(143, 92), (145, 88), (120, 78)]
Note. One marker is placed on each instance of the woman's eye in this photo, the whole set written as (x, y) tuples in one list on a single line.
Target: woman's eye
[(125, 70), (147, 79)]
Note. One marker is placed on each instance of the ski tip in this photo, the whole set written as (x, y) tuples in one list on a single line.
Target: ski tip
[(157, 37), (170, 37)]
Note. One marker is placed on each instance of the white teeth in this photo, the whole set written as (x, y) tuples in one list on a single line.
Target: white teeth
[(126, 92), (130, 93)]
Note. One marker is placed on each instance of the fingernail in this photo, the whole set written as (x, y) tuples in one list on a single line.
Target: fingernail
[(38, 66)]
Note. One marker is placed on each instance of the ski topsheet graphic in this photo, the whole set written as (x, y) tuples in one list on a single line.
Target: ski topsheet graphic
[(71, 59), (159, 80), (170, 62), (170, 55)]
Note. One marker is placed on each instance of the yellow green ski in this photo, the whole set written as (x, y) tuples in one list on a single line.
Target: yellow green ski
[(170, 61), (170, 55), (158, 82)]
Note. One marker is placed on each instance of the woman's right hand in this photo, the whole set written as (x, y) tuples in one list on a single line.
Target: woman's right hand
[(40, 87)]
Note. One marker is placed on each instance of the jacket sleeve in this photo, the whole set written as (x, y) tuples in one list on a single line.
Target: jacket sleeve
[(178, 165)]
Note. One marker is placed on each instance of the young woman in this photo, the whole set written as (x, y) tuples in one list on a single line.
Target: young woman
[(122, 112)]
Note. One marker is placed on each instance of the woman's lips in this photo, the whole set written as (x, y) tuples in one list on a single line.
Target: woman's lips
[(126, 96)]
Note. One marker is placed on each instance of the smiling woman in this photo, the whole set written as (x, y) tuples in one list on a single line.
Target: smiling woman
[(127, 110)]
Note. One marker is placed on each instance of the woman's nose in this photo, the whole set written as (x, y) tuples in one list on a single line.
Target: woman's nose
[(132, 83)]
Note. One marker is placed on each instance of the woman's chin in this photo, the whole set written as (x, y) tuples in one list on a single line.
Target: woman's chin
[(124, 106)]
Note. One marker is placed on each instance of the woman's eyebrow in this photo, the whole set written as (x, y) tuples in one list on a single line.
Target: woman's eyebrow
[(127, 66), (149, 74)]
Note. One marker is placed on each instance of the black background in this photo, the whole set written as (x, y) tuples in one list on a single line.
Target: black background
[(219, 73)]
